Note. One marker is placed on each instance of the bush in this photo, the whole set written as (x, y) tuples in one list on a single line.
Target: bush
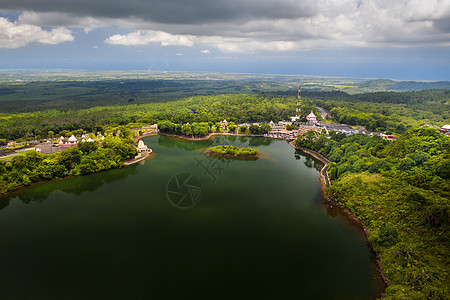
[(416, 199), (242, 129), (387, 236), (406, 164), (443, 170), (436, 215)]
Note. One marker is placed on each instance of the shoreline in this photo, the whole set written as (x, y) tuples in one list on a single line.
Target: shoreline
[(126, 163), (345, 211), (138, 137), (139, 158), (17, 190)]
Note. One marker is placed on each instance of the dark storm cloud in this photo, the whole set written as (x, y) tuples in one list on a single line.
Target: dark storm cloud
[(234, 25), (171, 11), (443, 25)]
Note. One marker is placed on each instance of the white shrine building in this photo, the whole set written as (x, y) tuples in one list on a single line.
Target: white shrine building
[(311, 117), (142, 148)]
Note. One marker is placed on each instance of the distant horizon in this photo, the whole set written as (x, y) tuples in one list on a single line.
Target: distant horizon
[(68, 70)]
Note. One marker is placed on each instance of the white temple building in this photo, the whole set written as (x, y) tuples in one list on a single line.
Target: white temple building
[(142, 148), (445, 128), (311, 117)]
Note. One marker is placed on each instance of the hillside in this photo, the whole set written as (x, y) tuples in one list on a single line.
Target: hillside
[(407, 86), (400, 190)]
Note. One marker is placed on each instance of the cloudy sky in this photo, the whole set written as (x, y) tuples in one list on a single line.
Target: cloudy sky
[(404, 39)]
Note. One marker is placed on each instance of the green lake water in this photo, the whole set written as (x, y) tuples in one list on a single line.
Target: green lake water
[(181, 226)]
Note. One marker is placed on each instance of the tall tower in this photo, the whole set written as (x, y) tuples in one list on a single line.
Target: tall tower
[(299, 97)]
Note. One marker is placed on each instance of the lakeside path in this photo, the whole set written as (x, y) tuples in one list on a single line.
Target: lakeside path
[(324, 160), (141, 157), (145, 134)]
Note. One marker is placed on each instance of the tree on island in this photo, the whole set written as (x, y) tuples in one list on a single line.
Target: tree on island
[(232, 151)]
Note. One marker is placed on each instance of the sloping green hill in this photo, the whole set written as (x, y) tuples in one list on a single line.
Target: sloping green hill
[(392, 85)]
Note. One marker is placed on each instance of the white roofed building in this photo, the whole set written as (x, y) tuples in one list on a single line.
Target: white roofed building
[(445, 128), (72, 141), (311, 117)]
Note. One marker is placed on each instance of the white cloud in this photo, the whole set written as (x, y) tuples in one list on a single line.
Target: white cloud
[(179, 54), (14, 35), (150, 36), (205, 51)]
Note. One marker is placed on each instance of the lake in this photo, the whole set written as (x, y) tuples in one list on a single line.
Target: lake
[(183, 225)]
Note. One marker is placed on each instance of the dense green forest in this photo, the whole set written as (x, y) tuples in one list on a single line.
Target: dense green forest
[(401, 191), (38, 91), (88, 157), (29, 109), (390, 110), (235, 107), (394, 112), (75, 95)]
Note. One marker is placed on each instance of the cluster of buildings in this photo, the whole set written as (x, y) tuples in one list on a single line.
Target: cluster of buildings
[(65, 143), (279, 129), (73, 141)]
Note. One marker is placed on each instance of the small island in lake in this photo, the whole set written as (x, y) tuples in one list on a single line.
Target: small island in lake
[(232, 151)]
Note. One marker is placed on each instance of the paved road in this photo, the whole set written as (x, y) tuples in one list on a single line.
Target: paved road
[(323, 112)]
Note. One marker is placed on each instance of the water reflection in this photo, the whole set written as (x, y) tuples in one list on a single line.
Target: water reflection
[(170, 142), (76, 186), (310, 161), (260, 141), (243, 139), (232, 138)]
